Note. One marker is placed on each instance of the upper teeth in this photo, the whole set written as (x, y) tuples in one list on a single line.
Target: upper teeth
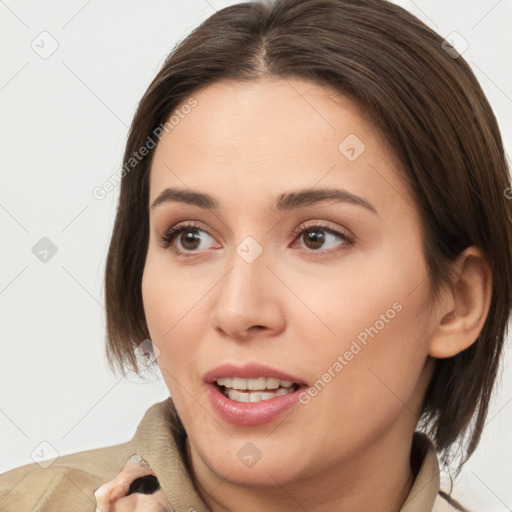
[(253, 384)]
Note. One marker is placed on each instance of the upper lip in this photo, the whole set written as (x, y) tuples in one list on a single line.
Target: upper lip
[(250, 371)]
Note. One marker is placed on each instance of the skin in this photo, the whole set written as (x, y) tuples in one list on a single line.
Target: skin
[(111, 496), (297, 307)]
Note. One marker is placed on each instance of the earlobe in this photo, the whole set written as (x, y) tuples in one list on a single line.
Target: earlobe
[(466, 306)]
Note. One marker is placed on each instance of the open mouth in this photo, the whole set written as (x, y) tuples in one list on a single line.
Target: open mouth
[(253, 394), (254, 390)]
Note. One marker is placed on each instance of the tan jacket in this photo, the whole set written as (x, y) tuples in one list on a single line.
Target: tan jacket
[(77, 482)]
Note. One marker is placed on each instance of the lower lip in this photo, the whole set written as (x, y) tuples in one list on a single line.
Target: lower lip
[(250, 413)]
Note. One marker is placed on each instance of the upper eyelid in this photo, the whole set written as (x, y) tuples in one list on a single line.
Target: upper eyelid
[(326, 225), (176, 229)]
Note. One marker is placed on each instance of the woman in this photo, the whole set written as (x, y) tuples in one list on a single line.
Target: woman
[(314, 232)]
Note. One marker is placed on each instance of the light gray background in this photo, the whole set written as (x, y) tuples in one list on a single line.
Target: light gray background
[(64, 124)]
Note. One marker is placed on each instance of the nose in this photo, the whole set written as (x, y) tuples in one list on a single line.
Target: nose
[(249, 300)]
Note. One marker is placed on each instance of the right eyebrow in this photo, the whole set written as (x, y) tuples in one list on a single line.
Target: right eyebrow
[(186, 196)]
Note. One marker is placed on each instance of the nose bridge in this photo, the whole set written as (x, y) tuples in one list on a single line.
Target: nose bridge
[(246, 297), (248, 268)]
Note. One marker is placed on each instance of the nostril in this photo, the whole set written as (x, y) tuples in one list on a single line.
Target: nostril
[(148, 484)]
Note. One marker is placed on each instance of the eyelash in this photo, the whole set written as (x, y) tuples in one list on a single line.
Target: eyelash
[(173, 232)]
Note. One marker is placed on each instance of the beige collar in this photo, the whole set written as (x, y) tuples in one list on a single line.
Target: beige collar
[(159, 433)]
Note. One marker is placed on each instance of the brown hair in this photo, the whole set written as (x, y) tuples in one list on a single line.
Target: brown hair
[(429, 107)]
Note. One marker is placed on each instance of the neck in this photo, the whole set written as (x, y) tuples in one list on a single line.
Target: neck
[(377, 478)]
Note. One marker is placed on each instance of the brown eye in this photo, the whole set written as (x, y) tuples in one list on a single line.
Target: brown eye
[(314, 238), (187, 237), (320, 238)]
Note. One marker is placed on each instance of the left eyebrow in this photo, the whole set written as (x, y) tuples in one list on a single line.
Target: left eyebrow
[(292, 200), (285, 202)]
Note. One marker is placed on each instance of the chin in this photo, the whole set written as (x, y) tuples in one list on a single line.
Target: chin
[(262, 471)]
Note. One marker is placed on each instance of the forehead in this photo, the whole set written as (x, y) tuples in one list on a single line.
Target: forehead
[(266, 136), (264, 115)]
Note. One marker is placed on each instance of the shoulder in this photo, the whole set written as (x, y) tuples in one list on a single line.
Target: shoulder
[(426, 492), (68, 483)]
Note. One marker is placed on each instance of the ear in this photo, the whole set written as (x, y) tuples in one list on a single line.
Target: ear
[(465, 305)]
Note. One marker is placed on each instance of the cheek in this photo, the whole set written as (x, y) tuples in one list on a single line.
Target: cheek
[(379, 294), (169, 294), (375, 341), (165, 304), (175, 311)]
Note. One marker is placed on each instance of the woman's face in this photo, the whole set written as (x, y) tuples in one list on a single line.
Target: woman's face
[(331, 295)]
